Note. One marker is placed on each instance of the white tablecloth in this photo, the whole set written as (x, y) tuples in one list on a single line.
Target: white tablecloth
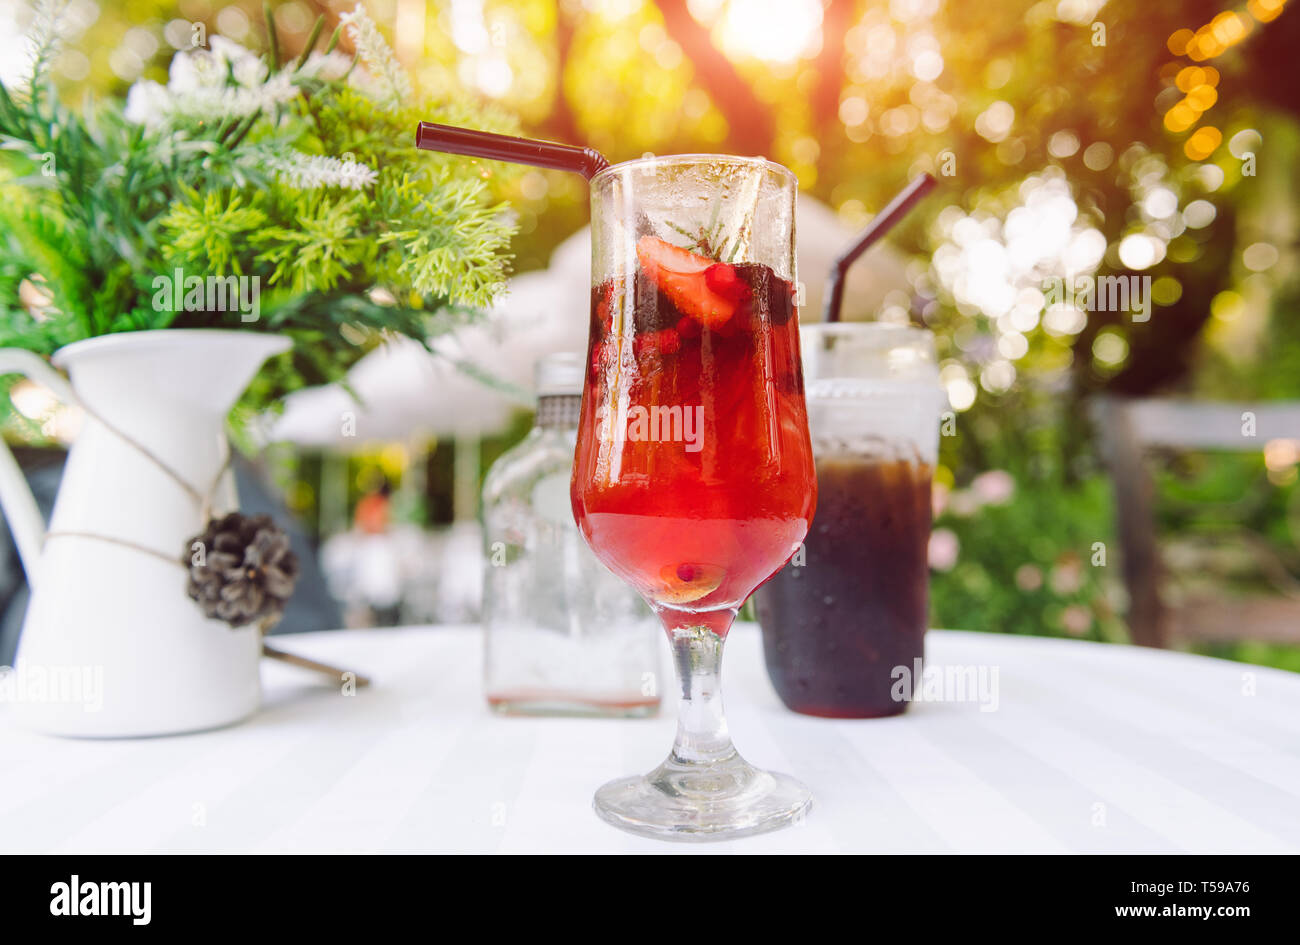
[(1090, 748)]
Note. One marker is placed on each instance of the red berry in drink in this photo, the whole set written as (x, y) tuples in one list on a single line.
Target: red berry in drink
[(658, 343), (722, 278), (682, 276)]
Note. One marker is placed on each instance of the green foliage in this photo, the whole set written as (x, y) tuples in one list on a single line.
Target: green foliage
[(1027, 565), (204, 232), (302, 176), (1262, 654)]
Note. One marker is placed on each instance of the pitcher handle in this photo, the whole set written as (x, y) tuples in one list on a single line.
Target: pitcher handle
[(16, 498)]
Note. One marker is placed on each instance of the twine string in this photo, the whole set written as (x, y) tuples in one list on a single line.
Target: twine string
[(204, 499)]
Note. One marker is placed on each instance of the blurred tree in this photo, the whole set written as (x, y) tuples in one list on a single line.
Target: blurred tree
[(750, 125), (985, 97)]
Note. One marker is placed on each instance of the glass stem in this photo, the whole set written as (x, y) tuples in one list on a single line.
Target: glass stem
[(702, 737)]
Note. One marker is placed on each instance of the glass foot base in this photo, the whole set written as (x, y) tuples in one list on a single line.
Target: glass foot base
[(694, 802)]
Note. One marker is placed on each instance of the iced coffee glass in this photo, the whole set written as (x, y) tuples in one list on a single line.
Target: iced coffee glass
[(845, 614)]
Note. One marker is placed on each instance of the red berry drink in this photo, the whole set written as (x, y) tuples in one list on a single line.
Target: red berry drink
[(693, 479), (694, 485)]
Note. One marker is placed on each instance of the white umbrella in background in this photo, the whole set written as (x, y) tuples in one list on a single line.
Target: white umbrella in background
[(406, 394), (821, 236), (402, 392), (541, 313)]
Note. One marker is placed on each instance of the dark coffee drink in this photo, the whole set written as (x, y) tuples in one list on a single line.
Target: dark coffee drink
[(835, 628)]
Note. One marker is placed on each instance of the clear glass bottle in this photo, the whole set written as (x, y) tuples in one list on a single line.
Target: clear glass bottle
[(563, 636)]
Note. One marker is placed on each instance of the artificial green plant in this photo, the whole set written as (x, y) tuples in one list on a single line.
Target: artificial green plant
[(301, 173)]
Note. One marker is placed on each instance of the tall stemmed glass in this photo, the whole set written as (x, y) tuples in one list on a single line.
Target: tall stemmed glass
[(694, 476)]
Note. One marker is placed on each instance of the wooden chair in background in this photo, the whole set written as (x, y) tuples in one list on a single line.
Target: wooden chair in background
[(1127, 428)]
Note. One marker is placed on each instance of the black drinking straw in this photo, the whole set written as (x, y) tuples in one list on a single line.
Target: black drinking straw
[(482, 144), (881, 224)]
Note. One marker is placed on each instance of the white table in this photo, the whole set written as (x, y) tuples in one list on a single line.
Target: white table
[(1090, 748)]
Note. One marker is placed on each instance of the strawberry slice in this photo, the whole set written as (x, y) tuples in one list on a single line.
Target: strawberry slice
[(707, 291)]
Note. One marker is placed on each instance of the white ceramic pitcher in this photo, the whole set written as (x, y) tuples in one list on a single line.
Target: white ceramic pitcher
[(112, 645)]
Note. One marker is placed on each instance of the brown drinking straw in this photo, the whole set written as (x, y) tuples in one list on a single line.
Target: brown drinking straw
[(881, 224), (483, 144)]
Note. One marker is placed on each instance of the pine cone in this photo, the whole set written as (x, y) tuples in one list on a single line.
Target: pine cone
[(244, 570)]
